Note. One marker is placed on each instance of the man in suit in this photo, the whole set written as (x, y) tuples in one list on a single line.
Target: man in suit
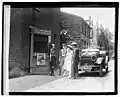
[(52, 59), (75, 60)]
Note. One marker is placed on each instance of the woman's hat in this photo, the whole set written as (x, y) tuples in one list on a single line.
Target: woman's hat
[(74, 43), (69, 46)]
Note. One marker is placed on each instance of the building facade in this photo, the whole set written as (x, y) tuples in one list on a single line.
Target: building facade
[(78, 28), (31, 32)]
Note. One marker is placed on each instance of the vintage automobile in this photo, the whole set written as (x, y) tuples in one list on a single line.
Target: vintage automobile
[(94, 60)]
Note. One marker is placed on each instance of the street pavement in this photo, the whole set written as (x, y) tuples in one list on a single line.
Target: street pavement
[(90, 82), (27, 82)]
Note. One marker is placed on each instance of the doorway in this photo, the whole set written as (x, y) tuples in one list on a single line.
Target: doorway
[(39, 61)]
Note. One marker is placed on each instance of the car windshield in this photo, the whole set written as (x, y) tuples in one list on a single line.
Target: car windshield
[(89, 52), (102, 52)]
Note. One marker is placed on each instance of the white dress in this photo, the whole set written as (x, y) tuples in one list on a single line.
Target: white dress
[(68, 61)]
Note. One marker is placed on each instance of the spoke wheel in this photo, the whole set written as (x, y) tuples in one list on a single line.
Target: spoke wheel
[(101, 72)]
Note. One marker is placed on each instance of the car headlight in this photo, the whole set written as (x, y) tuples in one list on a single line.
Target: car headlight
[(93, 58), (99, 60)]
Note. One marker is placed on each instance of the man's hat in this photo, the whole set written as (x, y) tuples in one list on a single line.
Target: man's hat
[(74, 43), (53, 44), (63, 44), (69, 46)]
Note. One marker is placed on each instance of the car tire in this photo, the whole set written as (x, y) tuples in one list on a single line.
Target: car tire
[(101, 72), (107, 68)]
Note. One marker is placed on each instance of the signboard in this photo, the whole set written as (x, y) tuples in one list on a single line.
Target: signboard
[(35, 30), (41, 59)]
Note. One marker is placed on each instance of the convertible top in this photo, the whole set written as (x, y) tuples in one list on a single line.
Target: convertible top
[(90, 50)]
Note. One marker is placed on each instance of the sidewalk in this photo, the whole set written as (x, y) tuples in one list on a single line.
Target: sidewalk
[(22, 84)]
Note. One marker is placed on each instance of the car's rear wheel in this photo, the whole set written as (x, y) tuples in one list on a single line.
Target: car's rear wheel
[(107, 68), (101, 71)]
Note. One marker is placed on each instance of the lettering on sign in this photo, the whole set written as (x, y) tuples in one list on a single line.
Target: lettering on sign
[(39, 31)]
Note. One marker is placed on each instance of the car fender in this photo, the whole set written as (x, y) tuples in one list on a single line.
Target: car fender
[(99, 60), (106, 59)]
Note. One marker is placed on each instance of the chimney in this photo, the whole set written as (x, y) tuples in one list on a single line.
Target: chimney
[(90, 21)]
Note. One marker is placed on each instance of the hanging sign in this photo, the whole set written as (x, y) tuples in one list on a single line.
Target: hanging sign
[(35, 30)]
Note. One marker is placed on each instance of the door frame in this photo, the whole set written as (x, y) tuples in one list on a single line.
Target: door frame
[(31, 48), (33, 32)]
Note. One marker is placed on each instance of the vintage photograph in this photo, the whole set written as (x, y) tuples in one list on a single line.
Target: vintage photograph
[(66, 49)]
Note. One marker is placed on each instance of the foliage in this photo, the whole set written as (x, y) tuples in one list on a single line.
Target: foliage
[(65, 37), (104, 40)]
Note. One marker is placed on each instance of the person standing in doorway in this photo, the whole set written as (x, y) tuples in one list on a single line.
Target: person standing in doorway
[(75, 60), (62, 56), (52, 59)]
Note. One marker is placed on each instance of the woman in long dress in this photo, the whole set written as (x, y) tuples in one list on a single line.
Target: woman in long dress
[(68, 61)]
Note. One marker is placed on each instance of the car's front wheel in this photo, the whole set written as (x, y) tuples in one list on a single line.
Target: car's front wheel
[(107, 70), (101, 71), (106, 67)]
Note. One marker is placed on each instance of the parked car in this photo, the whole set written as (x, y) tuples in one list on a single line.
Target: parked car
[(94, 60)]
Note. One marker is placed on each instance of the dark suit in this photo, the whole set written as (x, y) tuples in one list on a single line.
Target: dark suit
[(75, 62), (52, 60)]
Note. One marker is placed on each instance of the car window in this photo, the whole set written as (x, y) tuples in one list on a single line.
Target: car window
[(102, 52), (89, 52)]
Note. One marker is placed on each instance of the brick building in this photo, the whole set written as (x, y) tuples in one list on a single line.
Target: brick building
[(78, 28), (31, 30)]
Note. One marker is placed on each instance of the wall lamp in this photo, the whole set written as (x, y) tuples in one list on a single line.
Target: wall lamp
[(37, 9)]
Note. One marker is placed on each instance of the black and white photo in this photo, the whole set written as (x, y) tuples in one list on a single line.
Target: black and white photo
[(60, 49)]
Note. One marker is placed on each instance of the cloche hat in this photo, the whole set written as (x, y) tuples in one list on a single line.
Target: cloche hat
[(69, 46)]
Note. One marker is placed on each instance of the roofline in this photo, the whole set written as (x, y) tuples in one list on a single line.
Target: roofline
[(76, 16), (72, 15)]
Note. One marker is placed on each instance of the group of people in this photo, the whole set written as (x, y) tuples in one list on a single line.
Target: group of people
[(69, 59)]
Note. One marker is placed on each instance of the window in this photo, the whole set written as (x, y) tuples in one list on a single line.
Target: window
[(86, 31), (83, 28), (82, 43), (91, 33)]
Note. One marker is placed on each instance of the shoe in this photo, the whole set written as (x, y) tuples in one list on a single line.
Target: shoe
[(52, 74), (59, 74), (72, 78), (69, 77), (63, 75)]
